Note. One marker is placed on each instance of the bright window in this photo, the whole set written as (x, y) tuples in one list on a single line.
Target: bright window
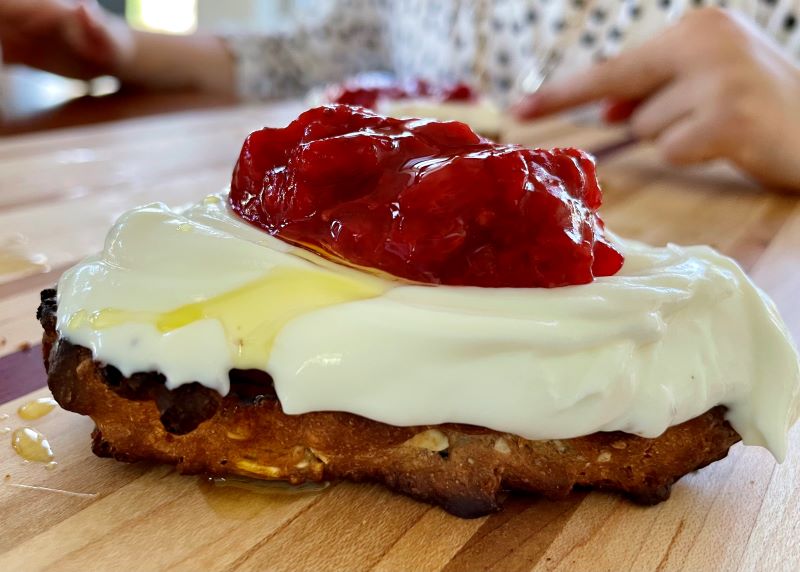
[(171, 16)]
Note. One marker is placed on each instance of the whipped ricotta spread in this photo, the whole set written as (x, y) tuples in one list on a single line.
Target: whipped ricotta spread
[(196, 292)]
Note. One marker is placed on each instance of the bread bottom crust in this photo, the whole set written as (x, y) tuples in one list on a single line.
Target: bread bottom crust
[(462, 468)]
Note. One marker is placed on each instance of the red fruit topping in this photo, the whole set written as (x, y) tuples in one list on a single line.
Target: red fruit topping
[(366, 90), (425, 200)]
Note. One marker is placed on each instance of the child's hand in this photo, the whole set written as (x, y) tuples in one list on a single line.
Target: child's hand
[(710, 87), (74, 39)]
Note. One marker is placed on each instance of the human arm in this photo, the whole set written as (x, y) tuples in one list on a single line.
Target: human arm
[(80, 40)]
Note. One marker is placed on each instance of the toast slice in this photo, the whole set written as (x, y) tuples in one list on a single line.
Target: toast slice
[(464, 469)]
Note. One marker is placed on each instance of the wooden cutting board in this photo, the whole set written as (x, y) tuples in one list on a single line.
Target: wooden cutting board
[(87, 513)]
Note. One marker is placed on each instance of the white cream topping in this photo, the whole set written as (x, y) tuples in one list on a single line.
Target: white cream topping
[(676, 332)]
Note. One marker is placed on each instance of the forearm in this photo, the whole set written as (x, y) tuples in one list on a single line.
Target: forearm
[(197, 61)]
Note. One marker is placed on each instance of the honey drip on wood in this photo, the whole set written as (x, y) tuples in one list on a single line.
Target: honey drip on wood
[(15, 261), (37, 408), (266, 487), (241, 498), (31, 445)]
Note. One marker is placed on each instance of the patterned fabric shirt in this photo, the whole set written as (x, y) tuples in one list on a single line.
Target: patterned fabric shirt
[(487, 43)]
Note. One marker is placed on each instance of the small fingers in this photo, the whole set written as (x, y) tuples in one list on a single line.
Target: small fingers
[(619, 110), (692, 139), (89, 35), (666, 107), (630, 76)]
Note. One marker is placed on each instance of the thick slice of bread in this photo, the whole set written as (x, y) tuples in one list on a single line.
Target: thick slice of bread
[(462, 468)]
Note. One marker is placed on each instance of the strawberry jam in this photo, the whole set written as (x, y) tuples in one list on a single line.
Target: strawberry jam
[(425, 200), (367, 90)]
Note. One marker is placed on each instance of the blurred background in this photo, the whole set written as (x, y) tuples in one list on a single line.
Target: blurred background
[(31, 98)]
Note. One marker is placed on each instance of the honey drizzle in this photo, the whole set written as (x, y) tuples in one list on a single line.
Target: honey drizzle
[(280, 296)]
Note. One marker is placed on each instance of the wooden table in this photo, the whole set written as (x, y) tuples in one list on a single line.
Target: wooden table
[(59, 193)]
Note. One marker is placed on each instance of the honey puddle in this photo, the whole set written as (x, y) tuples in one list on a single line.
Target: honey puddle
[(266, 487), (241, 498), (32, 446), (37, 408), (14, 260)]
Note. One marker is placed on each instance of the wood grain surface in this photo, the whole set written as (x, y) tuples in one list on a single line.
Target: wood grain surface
[(60, 192)]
